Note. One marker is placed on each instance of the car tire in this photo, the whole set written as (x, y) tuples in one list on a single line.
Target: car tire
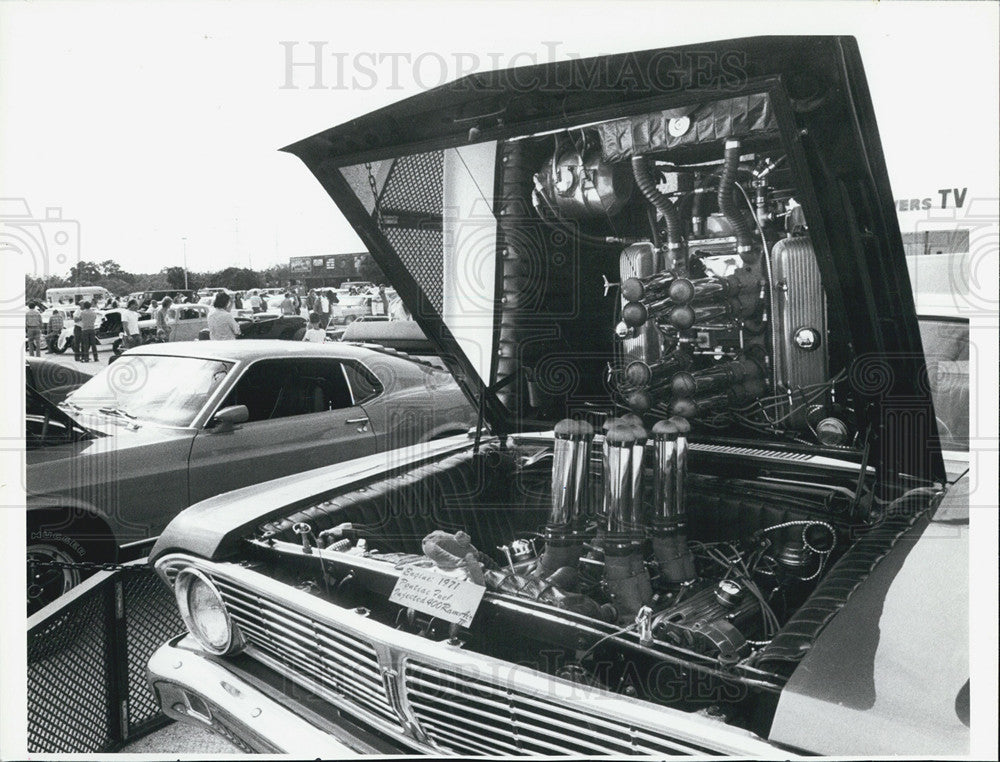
[(117, 347), (59, 347), (45, 584)]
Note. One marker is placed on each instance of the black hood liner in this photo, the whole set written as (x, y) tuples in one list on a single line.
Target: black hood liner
[(737, 117), (833, 134)]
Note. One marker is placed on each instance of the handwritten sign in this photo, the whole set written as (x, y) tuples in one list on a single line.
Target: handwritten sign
[(430, 592)]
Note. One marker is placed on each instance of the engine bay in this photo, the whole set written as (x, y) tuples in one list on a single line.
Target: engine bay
[(615, 563)]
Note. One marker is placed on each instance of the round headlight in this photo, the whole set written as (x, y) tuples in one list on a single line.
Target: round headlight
[(204, 612)]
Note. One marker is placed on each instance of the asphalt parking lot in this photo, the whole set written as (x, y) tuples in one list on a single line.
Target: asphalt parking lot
[(177, 738), (66, 359)]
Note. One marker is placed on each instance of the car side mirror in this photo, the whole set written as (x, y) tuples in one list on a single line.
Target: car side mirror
[(227, 418)]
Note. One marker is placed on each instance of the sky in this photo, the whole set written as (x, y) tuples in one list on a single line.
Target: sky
[(153, 129)]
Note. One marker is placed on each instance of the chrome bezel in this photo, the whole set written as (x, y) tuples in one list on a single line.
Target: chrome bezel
[(182, 586)]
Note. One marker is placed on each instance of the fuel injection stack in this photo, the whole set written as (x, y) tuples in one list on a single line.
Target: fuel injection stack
[(629, 527)]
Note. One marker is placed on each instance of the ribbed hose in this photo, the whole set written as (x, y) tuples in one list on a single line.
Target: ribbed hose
[(730, 207), (675, 243), (698, 205)]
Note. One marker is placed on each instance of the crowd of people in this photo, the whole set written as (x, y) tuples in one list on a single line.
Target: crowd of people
[(318, 305)]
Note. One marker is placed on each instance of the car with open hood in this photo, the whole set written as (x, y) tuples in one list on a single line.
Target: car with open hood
[(705, 510)]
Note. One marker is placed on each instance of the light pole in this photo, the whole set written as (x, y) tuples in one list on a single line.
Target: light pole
[(184, 243)]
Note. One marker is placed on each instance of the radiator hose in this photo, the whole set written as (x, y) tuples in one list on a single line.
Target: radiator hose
[(729, 205), (647, 184)]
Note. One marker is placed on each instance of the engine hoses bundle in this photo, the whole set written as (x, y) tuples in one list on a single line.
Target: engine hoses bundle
[(731, 209), (647, 185)]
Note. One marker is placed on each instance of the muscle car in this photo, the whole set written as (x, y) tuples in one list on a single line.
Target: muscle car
[(168, 425), (705, 510)]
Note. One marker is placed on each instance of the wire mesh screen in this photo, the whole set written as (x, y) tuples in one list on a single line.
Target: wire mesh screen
[(68, 678), (412, 204), (151, 618), (87, 660), (421, 252), (415, 184)]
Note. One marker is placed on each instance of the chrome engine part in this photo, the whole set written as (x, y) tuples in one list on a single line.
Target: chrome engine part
[(798, 327), (581, 184)]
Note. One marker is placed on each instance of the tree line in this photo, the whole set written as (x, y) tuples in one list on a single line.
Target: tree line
[(111, 276)]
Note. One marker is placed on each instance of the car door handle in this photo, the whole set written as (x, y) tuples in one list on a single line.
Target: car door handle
[(350, 421)]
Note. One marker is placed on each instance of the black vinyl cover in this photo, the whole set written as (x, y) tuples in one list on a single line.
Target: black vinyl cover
[(645, 133)]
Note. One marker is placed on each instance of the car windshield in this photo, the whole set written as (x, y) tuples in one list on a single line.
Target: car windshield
[(946, 345), (163, 390)]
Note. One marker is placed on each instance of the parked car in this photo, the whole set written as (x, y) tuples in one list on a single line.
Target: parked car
[(53, 380), (335, 332), (109, 330), (263, 325), (171, 424), (350, 307), (146, 298), (705, 511), (402, 335)]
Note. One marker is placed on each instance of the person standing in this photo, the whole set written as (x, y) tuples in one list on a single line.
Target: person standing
[(315, 333), (162, 325), (77, 335), (56, 323), (130, 325), (88, 331), (288, 305), (255, 302), (238, 300), (222, 326), (33, 329), (324, 308)]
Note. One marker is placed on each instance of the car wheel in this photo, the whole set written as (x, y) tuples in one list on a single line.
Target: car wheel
[(46, 579), (117, 347), (59, 346)]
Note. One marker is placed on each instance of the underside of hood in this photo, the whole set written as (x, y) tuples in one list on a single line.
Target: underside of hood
[(705, 232)]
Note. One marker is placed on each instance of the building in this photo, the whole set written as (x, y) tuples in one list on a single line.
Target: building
[(329, 269)]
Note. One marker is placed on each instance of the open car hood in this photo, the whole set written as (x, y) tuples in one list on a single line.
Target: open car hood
[(37, 403), (521, 311)]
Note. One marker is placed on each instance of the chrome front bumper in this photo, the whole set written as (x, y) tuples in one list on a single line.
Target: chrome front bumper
[(196, 690)]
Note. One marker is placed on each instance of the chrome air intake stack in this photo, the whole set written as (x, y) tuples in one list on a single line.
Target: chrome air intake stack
[(669, 523), (680, 491), (625, 574), (570, 488)]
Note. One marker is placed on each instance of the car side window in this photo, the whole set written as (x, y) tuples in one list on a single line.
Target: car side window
[(364, 385), (289, 387)]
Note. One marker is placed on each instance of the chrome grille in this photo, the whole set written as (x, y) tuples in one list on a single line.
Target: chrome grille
[(468, 715), (339, 665), (753, 451)]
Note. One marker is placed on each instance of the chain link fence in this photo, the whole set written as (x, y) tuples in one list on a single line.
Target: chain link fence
[(87, 656)]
